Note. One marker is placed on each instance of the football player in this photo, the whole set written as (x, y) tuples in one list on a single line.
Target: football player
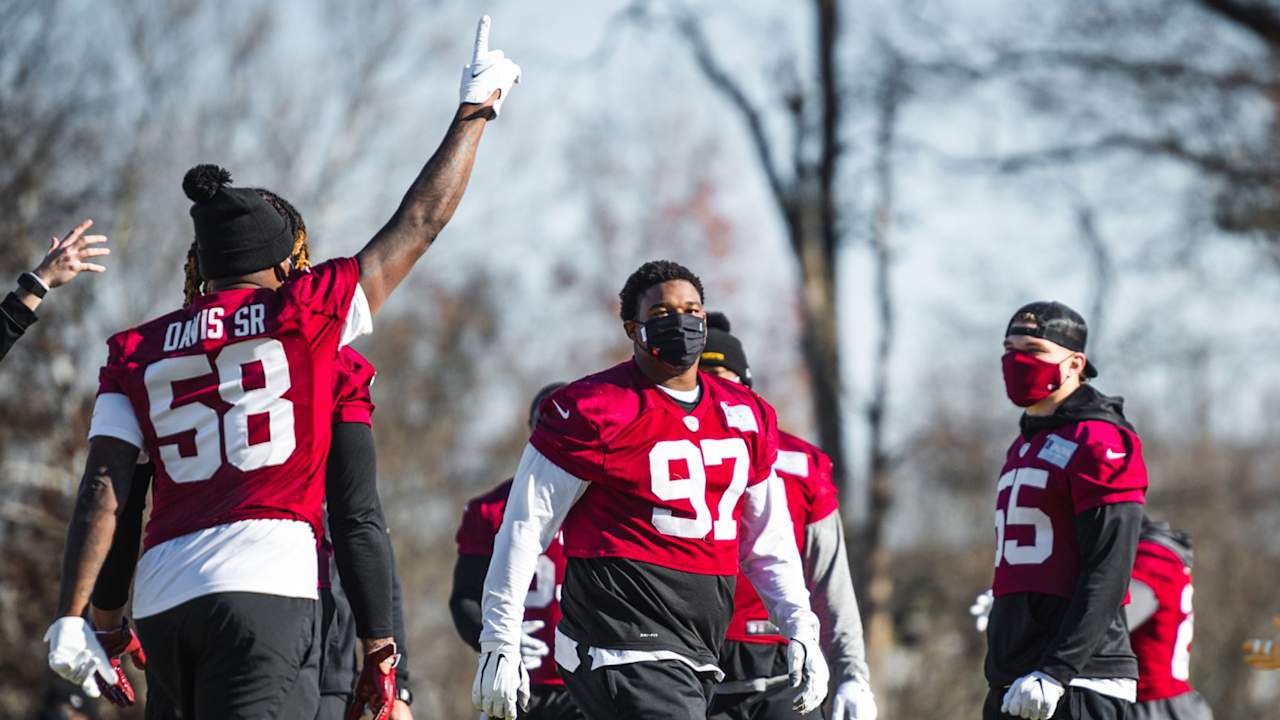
[(1161, 626), (354, 515), (1262, 654), (232, 399), (662, 477), (1068, 515), (481, 518), (754, 654)]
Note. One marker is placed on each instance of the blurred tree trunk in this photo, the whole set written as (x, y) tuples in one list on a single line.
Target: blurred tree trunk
[(807, 201), (876, 579)]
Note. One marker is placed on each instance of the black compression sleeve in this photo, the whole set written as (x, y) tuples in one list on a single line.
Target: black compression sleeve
[(361, 548), (464, 601), (15, 318), (111, 591), (1108, 540), (397, 622)]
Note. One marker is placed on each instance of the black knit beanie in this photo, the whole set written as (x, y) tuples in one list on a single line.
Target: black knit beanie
[(237, 232), (723, 349)]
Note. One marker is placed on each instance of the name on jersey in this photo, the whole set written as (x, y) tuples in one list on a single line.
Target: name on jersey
[(210, 324)]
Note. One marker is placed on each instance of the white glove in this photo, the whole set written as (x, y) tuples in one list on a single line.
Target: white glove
[(981, 610), (75, 653), (532, 650), (501, 682), (489, 70), (1034, 697), (853, 701), (808, 671)]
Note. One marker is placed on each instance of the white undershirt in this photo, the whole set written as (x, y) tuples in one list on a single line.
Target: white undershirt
[(688, 397), (269, 557), (1120, 688)]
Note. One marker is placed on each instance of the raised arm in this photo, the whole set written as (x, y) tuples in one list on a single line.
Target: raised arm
[(435, 194)]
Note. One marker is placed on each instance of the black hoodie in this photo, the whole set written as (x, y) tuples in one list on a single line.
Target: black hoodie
[(1082, 636)]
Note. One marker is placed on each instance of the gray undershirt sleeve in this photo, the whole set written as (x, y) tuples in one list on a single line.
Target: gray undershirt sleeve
[(826, 569), (1142, 604)]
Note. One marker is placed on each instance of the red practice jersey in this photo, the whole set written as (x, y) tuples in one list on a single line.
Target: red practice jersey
[(235, 396), (663, 485), (352, 389), (811, 496), (1163, 642), (1048, 480), (481, 519)]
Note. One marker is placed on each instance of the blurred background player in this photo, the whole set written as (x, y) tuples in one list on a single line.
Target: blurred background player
[(754, 657), (654, 469), (353, 516), (1068, 515), (232, 398), (1262, 654), (1162, 625), (61, 264), (481, 518)]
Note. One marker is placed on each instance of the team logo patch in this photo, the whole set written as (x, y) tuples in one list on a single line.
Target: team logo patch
[(792, 463), (1058, 451), (691, 422), (740, 417)]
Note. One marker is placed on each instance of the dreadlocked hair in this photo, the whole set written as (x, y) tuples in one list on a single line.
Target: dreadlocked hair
[(195, 285), (301, 255)]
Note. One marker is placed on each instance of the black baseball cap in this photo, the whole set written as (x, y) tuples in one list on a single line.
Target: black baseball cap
[(1055, 322), (723, 349)]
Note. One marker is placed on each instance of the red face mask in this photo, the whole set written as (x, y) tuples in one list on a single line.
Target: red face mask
[(1028, 379)]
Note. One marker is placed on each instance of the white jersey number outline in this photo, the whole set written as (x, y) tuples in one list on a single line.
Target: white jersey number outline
[(694, 487), (226, 439)]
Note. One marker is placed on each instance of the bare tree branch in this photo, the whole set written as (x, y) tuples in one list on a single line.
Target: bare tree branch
[(1170, 147), (724, 83)]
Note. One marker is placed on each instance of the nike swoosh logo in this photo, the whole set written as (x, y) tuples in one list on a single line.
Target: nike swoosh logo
[(1113, 455), (563, 413)]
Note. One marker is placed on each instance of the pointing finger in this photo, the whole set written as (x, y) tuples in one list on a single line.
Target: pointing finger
[(482, 40)]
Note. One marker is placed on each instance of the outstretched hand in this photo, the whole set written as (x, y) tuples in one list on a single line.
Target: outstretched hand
[(66, 257)]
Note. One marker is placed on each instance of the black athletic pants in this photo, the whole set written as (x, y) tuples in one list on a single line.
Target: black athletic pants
[(236, 656), (1077, 704), (661, 690)]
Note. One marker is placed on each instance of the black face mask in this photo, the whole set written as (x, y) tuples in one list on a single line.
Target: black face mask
[(676, 339)]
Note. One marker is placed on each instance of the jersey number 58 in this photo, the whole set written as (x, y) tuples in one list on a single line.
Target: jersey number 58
[(257, 408)]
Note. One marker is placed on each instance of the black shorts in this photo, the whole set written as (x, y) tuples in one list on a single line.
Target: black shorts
[(756, 686), (236, 655), (658, 690), (1187, 706), (1077, 704)]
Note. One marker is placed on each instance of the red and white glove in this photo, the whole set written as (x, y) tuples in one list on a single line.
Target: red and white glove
[(489, 70), (118, 643), (376, 687)]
